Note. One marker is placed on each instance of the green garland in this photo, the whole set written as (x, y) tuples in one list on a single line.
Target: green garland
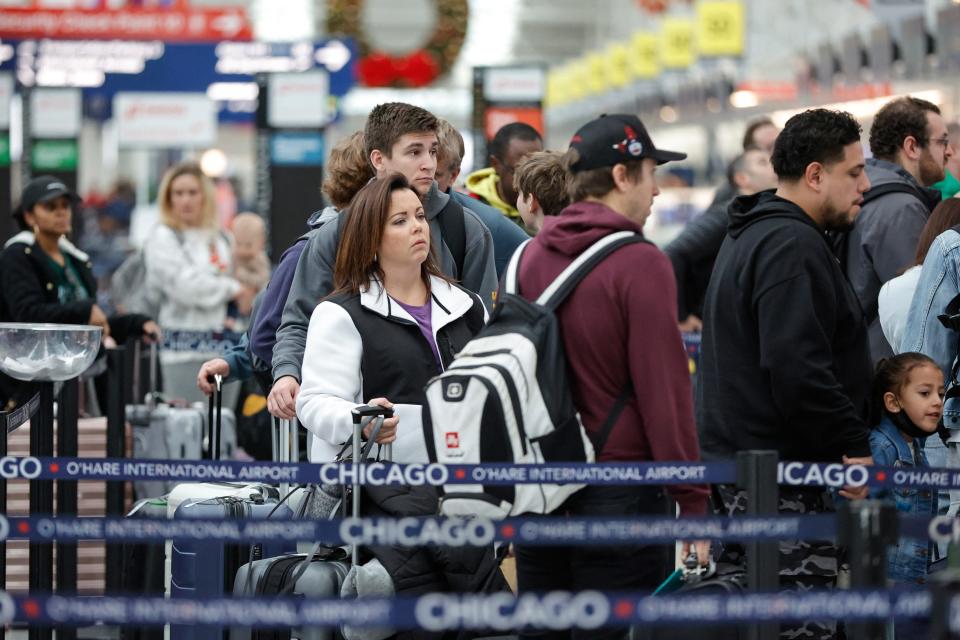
[(344, 17)]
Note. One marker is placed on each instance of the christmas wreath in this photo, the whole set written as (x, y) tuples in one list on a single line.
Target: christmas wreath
[(415, 69)]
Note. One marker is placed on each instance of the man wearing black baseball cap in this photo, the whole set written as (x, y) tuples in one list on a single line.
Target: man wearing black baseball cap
[(619, 329)]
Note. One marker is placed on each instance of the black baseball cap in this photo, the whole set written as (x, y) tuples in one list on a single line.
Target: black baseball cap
[(614, 139), (43, 189)]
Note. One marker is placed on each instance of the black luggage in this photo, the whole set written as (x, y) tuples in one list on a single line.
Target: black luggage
[(322, 578), (293, 575), (714, 585)]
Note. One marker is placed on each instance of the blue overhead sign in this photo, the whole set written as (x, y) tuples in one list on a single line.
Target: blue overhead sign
[(223, 70), (296, 149)]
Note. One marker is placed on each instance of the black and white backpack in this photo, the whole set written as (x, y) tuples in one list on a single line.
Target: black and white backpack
[(505, 398)]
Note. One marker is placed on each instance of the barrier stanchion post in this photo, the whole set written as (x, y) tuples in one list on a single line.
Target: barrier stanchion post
[(41, 503), (10, 421), (757, 475), (116, 448), (67, 437), (866, 528)]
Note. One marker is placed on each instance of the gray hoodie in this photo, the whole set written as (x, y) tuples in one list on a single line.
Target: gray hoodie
[(883, 241), (313, 279)]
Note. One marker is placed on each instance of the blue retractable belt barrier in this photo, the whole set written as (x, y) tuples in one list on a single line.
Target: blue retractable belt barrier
[(501, 611), (476, 532), (831, 475)]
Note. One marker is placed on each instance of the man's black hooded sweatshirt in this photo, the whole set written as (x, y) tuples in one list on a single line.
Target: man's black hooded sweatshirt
[(785, 361)]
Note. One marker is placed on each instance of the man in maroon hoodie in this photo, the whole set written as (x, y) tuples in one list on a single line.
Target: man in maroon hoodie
[(619, 329)]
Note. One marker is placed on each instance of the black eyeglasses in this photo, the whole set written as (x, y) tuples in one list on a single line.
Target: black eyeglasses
[(943, 142)]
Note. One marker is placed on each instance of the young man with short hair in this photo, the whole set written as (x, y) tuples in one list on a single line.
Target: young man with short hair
[(785, 364), (623, 349), (494, 185), (541, 183), (399, 138), (911, 148)]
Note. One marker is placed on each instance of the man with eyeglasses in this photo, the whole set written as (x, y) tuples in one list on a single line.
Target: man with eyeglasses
[(910, 147)]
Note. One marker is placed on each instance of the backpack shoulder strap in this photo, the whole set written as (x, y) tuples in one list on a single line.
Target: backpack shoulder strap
[(889, 187), (564, 284), (510, 281), (454, 231)]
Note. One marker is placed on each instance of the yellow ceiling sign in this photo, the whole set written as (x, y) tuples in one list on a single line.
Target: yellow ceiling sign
[(618, 68), (597, 73), (643, 54), (720, 28), (677, 46), (579, 79)]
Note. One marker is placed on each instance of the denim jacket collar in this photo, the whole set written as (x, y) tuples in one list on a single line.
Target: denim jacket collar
[(904, 454)]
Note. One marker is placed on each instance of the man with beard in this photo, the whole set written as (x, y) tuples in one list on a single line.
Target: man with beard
[(785, 364), (911, 147)]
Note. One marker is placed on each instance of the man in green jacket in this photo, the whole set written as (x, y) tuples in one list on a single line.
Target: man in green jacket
[(494, 185)]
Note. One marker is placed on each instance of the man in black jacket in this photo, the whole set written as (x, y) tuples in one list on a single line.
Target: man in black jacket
[(693, 252), (785, 363)]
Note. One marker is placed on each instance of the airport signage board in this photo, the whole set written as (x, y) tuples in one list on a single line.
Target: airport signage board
[(172, 25), (165, 120)]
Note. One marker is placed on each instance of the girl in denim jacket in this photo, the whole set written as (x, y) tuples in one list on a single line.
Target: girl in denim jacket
[(906, 407)]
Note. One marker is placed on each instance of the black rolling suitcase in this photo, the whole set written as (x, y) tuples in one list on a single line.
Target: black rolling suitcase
[(293, 575)]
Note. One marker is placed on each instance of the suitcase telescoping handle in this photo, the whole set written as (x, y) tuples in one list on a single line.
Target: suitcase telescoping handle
[(214, 419), (285, 444), (284, 440), (362, 416), (150, 398)]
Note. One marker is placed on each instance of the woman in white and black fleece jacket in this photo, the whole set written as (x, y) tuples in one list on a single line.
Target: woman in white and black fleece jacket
[(365, 341), (393, 323)]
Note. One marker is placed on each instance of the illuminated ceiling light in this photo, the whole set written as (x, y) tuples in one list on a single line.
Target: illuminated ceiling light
[(214, 163), (224, 91), (668, 114), (744, 99)]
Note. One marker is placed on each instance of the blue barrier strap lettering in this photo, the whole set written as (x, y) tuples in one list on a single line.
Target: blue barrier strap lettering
[(801, 474), (455, 532), (439, 612)]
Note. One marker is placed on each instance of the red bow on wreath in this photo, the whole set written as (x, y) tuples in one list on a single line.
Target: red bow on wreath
[(381, 70)]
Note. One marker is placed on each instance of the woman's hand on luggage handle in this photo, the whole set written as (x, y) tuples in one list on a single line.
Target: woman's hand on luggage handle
[(701, 547), (388, 432), (282, 401), (856, 493), (210, 368)]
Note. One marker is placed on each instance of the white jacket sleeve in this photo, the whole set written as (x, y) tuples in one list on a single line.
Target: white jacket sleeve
[(332, 384), (181, 279)]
